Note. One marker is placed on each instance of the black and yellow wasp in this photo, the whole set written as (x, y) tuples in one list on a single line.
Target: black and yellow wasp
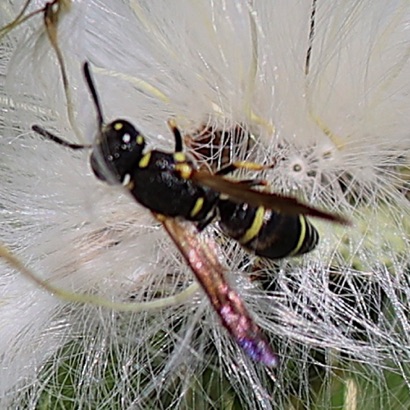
[(171, 187)]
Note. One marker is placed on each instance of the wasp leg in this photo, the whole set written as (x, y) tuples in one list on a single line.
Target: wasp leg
[(252, 166), (201, 225), (179, 145), (253, 182)]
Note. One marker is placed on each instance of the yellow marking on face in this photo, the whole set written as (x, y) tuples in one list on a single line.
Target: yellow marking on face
[(197, 207), (118, 126), (256, 226), (140, 140), (184, 169), (302, 235), (179, 157), (144, 161)]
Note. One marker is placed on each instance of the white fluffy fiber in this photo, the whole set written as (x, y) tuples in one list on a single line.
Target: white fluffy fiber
[(340, 137)]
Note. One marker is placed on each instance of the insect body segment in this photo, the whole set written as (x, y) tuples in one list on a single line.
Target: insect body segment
[(267, 233), (159, 186), (261, 230)]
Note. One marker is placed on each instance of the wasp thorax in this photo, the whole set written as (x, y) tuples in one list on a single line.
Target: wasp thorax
[(119, 148)]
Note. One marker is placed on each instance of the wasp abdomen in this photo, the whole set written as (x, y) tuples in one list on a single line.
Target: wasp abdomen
[(267, 233)]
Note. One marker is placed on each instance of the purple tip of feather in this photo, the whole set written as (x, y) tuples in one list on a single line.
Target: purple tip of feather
[(260, 351)]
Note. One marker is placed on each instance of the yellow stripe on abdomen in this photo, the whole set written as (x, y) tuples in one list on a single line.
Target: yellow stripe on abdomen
[(197, 207), (255, 228), (302, 235)]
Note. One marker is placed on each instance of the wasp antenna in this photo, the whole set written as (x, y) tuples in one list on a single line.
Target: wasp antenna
[(48, 135), (93, 91)]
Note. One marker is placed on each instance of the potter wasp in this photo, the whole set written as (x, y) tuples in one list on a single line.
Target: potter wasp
[(185, 200)]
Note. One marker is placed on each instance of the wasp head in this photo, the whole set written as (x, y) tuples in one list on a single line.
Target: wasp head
[(117, 151)]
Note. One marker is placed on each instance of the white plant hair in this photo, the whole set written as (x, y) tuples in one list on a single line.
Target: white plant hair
[(321, 90)]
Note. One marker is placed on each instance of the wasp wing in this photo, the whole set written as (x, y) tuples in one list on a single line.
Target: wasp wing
[(239, 192), (229, 306)]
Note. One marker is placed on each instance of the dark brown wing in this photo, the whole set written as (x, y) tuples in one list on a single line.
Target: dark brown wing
[(209, 272), (238, 192)]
